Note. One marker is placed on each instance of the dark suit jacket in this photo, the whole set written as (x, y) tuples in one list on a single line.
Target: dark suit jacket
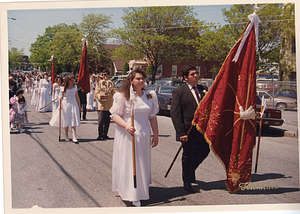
[(82, 96), (183, 107)]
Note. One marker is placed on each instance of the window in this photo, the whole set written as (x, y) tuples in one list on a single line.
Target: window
[(174, 70), (188, 54), (283, 46), (198, 70), (159, 70), (199, 56), (293, 45)]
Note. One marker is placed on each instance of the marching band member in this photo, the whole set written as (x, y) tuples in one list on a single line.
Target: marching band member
[(104, 93)]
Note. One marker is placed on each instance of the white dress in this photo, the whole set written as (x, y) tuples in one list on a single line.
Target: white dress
[(55, 95), (69, 110), (95, 105), (35, 93), (90, 98), (122, 167), (44, 98)]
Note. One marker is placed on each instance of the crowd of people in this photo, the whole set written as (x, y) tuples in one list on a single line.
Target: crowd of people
[(131, 102)]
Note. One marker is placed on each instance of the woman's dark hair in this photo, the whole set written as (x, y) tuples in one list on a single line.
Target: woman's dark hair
[(186, 70), (67, 78), (12, 82), (61, 79), (125, 88), (20, 91), (21, 99)]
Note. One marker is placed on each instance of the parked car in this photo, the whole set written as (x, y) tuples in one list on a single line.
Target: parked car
[(287, 93), (272, 117), (206, 82), (266, 86), (170, 82), (280, 103), (164, 96), (118, 78)]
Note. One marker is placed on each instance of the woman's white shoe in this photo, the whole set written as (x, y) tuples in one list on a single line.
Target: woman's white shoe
[(136, 203)]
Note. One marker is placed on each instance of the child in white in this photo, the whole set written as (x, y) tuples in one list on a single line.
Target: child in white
[(21, 115)]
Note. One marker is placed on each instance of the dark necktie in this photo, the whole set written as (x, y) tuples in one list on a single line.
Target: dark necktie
[(197, 95)]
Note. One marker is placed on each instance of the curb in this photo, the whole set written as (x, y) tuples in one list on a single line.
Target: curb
[(280, 132), (290, 134)]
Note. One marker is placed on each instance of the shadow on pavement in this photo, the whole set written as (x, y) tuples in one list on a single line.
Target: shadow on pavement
[(271, 132), (164, 195), (266, 190), (263, 177)]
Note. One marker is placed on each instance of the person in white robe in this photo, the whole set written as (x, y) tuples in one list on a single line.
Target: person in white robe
[(145, 110)]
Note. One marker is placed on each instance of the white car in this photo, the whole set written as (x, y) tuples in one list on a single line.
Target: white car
[(280, 103)]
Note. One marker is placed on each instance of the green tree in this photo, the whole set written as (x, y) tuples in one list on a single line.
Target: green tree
[(41, 48), (97, 29), (65, 43), (287, 55), (157, 34), (15, 57), (125, 68), (216, 42), (149, 70), (67, 47)]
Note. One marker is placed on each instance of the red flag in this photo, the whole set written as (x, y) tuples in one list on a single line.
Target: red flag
[(53, 73), (219, 115), (84, 76)]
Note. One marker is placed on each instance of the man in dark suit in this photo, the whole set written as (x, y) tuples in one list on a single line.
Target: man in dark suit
[(185, 100), (82, 98)]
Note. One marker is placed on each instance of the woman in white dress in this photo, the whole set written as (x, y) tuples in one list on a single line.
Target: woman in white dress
[(145, 110), (44, 94), (95, 104), (55, 93), (90, 95), (35, 93), (70, 108)]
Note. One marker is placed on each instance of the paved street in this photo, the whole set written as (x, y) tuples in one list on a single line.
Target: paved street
[(52, 174)]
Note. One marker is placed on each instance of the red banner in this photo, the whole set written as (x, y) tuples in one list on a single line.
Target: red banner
[(84, 76), (218, 116), (53, 72)]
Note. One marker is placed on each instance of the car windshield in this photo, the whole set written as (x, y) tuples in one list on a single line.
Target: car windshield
[(151, 87), (267, 95), (165, 90)]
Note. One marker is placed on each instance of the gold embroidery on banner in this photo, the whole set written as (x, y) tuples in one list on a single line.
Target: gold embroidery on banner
[(214, 115), (235, 177)]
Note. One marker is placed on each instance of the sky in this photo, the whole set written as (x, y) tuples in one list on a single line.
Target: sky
[(24, 26)]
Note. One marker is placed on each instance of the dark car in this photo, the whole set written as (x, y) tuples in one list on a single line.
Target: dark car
[(170, 82), (164, 96), (272, 116), (287, 93)]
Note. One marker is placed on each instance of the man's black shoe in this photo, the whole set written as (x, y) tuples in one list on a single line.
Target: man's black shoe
[(99, 138), (188, 187), (106, 138)]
